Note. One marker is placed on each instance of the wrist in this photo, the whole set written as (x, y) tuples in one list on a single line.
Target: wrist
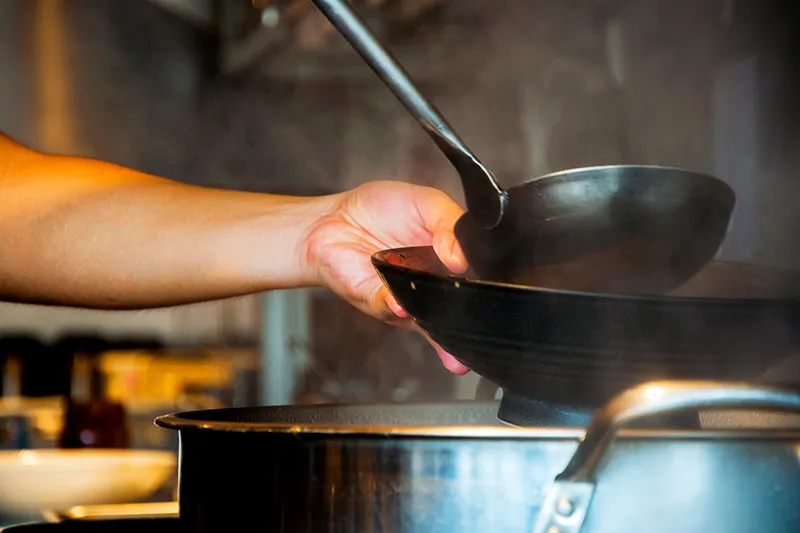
[(259, 242), (318, 220)]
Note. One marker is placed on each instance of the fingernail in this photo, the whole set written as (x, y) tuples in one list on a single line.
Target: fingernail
[(395, 307)]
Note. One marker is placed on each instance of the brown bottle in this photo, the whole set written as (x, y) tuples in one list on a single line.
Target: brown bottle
[(90, 419)]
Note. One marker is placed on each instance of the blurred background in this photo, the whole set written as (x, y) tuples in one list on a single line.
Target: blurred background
[(264, 96)]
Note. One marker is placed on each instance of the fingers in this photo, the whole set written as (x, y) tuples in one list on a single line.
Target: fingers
[(448, 361), (383, 301), (393, 306), (449, 251), (382, 305), (439, 215)]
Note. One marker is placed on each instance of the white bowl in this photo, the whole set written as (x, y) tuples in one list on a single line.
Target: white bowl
[(60, 479)]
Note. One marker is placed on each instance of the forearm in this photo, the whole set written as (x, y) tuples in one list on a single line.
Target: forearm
[(92, 234)]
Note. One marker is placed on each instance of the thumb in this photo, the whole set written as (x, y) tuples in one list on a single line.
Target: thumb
[(449, 250), (439, 214)]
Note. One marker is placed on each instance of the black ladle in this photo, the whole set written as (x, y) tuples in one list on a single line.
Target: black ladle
[(613, 228)]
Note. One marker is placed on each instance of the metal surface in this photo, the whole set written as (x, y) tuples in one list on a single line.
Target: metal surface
[(442, 468), (617, 229), (578, 349), (529, 411), (635, 228), (133, 525), (656, 398), (120, 511), (567, 502), (486, 201)]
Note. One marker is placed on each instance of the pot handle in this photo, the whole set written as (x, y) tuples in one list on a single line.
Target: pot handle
[(567, 501)]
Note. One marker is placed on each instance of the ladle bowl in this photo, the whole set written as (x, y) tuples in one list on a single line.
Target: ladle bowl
[(611, 229)]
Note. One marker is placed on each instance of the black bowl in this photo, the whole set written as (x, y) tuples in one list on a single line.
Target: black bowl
[(575, 348)]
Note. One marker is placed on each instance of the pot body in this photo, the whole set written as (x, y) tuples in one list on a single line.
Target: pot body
[(474, 478)]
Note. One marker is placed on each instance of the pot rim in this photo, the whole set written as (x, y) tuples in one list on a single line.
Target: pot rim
[(178, 421)]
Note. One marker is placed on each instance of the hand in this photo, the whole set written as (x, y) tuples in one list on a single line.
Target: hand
[(373, 217)]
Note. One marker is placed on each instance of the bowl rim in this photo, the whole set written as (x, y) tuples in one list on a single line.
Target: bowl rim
[(380, 263)]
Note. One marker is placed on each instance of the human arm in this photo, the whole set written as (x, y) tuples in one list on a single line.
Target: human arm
[(87, 233)]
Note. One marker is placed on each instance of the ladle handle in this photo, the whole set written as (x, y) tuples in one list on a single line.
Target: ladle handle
[(484, 197)]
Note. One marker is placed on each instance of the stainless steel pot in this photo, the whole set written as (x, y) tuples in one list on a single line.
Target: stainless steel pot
[(454, 467)]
